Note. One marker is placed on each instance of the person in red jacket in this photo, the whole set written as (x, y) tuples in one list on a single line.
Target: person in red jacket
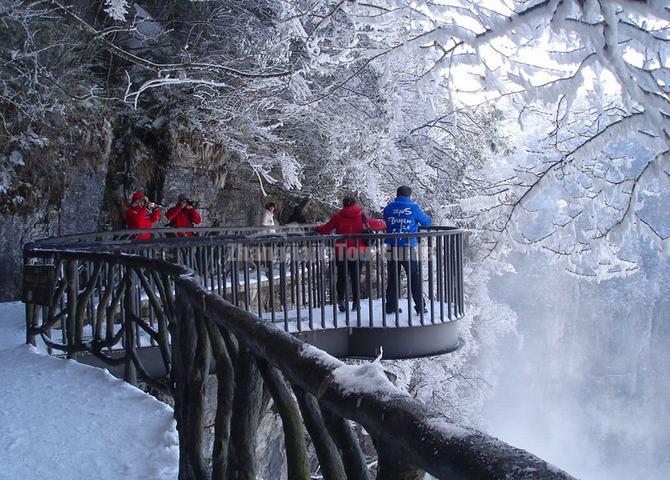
[(183, 215), (350, 220), (142, 214)]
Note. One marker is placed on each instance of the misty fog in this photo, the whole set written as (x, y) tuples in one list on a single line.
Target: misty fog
[(585, 382)]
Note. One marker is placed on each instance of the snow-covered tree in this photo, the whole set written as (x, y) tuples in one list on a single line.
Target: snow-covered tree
[(589, 72)]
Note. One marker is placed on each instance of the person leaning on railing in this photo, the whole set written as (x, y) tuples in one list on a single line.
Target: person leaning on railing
[(183, 215), (142, 214), (403, 215), (349, 221)]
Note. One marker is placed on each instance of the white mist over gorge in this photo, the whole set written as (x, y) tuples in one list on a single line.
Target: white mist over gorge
[(583, 380)]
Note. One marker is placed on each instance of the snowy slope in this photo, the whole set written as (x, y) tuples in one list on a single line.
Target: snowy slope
[(61, 419)]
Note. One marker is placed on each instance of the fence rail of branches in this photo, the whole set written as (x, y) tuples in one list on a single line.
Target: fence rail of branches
[(96, 302)]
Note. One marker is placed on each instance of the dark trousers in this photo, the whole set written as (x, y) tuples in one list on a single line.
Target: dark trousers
[(397, 258), (354, 274)]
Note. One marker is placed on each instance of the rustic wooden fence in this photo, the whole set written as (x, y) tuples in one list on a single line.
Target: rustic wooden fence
[(113, 304)]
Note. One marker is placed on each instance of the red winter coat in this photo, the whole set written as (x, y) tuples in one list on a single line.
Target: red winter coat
[(180, 217), (347, 221), (140, 218)]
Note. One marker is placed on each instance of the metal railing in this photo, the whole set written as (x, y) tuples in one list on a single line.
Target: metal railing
[(296, 278), (124, 236)]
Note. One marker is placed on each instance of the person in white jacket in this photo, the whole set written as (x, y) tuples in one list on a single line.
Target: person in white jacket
[(268, 216)]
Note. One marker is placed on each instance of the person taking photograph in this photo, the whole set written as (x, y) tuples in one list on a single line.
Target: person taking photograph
[(183, 215), (142, 214)]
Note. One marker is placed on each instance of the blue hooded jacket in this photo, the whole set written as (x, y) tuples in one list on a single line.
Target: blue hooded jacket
[(404, 215)]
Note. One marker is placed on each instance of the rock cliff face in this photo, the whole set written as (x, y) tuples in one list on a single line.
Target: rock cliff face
[(76, 142), (81, 181)]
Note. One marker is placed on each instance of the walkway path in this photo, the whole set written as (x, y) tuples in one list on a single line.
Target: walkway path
[(61, 419)]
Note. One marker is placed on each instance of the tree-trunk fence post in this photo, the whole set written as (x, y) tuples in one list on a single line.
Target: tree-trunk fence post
[(70, 322), (294, 438), (392, 466), (247, 404), (225, 377), (327, 452), (187, 378), (131, 309), (353, 458)]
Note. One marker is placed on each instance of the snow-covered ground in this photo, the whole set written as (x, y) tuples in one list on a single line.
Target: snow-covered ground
[(61, 419)]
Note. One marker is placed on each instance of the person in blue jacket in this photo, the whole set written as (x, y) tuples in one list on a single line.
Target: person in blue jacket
[(403, 215)]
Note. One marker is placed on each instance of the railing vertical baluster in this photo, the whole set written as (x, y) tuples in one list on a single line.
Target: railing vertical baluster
[(368, 282), (203, 268), (447, 269), (407, 261), (333, 293), (379, 246), (271, 282), (303, 266), (296, 281), (292, 272), (234, 275), (398, 268), (210, 259), (70, 326), (259, 283), (282, 284), (62, 275), (307, 252), (223, 262), (452, 275), (356, 285), (316, 274), (459, 257), (431, 295), (382, 255), (220, 283), (419, 264), (322, 282), (247, 278), (440, 276)]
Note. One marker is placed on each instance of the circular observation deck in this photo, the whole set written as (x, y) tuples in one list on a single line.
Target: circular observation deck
[(77, 288)]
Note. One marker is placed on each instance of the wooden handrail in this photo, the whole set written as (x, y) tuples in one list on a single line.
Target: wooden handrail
[(208, 334)]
